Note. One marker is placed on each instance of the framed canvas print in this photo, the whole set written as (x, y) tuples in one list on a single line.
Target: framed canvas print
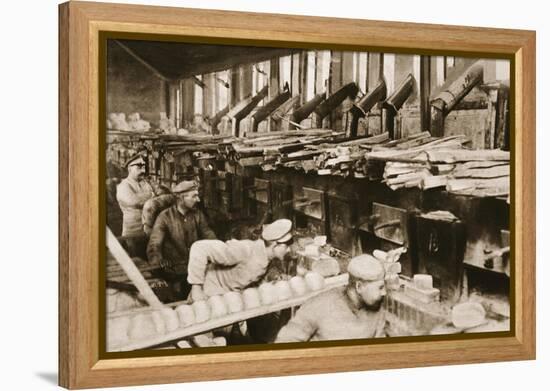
[(247, 195)]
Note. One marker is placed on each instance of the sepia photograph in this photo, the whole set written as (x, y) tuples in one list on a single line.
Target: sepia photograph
[(278, 195)]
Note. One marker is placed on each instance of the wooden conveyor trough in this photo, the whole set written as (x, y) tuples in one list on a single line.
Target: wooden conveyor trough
[(197, 328)]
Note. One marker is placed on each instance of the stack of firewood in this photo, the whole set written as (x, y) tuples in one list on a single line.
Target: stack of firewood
[(419, 160), (482, 173), (325, 155), (281, 148), (443, 163)]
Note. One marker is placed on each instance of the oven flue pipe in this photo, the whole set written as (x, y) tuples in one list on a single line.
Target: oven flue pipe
[(350, 90), (305, 110), (393, 104), (264, 111), (365, 104), (447, 99)]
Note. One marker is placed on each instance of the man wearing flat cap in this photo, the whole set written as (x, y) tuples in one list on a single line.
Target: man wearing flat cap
[(351, 312), (216, 267), (132, 193), (173, 233)]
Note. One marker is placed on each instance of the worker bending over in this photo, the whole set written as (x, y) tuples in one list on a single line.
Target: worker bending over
[(216, 267)]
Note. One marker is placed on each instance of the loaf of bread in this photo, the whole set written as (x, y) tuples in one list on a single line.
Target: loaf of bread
[(217, 305), (268, 293), (186, 315), (142, 326), (158, 320), (314, 281), (326, 267), (117, 330), (202, 311), (251, 298), (111, 300), (171, 320), (234, 301), (298, 286), (283, 291)]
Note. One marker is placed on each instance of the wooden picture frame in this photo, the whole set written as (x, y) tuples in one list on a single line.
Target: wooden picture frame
[(80, 155)]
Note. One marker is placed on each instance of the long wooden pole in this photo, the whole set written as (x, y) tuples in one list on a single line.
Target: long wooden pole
[(132, 271)]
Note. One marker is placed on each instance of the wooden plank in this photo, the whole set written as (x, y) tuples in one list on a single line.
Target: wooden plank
[(434, 181), (404, 140), (415, 154), (490, 172), (251, 161), (403, 178), (502, 183), (392, 170), (297, 133), (114, 270), (480, 164), (452, 156), (426, 143), (378, 139)]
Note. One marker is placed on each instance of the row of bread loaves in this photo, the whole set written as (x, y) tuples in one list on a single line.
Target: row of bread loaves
[(123, 329)]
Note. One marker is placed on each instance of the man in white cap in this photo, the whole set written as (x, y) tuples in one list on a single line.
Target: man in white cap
[(216, 267), (350, 312), (131, 194), (174, 231)]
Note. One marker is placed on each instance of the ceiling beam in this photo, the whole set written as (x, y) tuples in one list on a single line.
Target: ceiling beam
[(142, 61)]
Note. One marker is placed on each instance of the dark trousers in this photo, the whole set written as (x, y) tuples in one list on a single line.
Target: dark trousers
[(264, 329), (178, 284)]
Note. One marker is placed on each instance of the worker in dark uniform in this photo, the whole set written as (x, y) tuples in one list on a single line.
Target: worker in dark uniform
[(351, 312), (173, 233)]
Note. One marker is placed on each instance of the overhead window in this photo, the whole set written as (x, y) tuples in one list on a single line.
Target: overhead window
[(198, 97), (323, 66), (389, 71), (360, 70), (310, 75), (260, 77), (440, 70), (222, 89), (416, 68), (450, 61), (285, 71)]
